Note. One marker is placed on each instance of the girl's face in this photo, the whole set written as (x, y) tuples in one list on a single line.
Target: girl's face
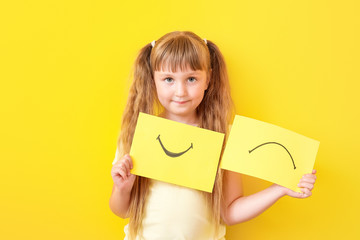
[(181, 92)]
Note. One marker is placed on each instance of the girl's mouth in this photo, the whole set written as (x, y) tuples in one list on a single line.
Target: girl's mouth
[(180, 102)]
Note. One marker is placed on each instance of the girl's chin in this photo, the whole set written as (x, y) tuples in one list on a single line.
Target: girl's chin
[(181, 112)]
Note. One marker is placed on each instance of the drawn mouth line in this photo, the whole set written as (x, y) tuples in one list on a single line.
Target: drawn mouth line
[(172, 154), (277, 144)]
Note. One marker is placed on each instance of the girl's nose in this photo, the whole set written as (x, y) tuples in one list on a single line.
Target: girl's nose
[(180, 90)]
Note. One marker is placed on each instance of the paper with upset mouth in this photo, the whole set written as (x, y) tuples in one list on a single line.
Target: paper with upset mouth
[(269, 152)]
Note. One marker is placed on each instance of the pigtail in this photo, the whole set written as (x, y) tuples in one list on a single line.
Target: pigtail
[(217, 105), (141, 99), (216, 111), (141, 96)]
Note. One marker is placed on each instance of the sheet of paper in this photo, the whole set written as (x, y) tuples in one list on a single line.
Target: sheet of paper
[(175, 152), (269, 152)]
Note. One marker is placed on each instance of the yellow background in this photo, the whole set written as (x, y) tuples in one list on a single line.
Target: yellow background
[(64, 68)]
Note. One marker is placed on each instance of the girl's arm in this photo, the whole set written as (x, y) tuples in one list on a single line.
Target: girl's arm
[(237, 208), (123, 182)]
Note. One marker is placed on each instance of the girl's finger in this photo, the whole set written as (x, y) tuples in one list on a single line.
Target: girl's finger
[(309, 175), (306, 192), (122, 173), (306, 185), (128, 158), (131, 164), (308, 180), (124, 167), (127, 165)]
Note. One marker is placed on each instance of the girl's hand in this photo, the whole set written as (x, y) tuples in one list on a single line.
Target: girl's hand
[(306, 184), (120, 172)]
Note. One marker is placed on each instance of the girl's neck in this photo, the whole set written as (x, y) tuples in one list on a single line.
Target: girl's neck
[(190, 119)]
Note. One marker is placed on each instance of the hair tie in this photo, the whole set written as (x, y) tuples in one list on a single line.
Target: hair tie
[(205, 41)]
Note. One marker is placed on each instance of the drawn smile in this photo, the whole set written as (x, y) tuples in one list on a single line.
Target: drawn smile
[(172, 154), (279, 145)]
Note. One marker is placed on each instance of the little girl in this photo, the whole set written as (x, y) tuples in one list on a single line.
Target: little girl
[(183, 78)]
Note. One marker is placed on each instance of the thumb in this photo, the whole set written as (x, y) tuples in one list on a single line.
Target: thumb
[(296, 194)]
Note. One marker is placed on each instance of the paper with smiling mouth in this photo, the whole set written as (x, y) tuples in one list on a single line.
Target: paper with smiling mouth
[(269, 152), (176, 153)]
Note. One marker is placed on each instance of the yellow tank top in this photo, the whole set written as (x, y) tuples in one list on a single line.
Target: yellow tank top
[(176, 212)]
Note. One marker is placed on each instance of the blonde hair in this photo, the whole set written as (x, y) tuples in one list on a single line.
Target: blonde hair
[(179, 49)]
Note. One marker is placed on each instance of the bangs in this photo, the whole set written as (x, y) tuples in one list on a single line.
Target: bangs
[(180, 53)]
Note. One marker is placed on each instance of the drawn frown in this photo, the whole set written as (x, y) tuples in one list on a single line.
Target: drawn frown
[(279, 145)]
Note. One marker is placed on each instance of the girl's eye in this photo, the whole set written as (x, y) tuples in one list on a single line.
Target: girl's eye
[(191, 79), (168, 80)]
